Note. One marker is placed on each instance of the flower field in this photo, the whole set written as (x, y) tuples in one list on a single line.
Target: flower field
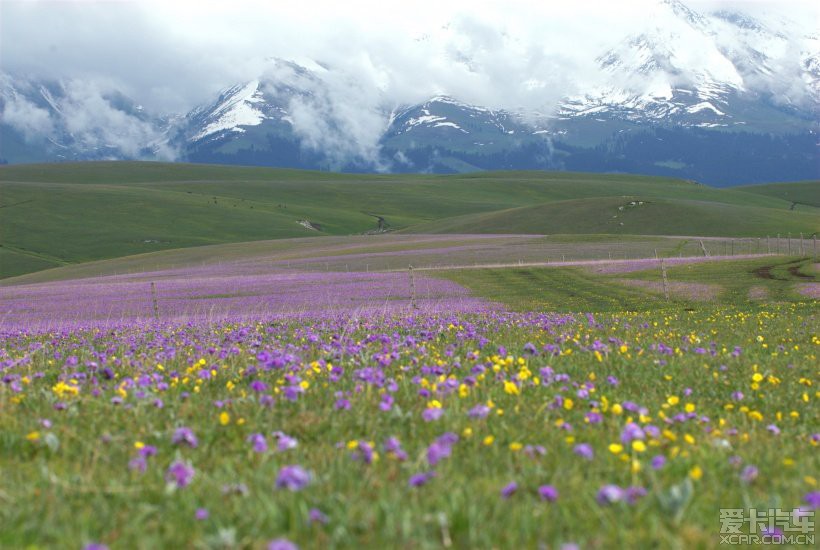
[(432, 428)]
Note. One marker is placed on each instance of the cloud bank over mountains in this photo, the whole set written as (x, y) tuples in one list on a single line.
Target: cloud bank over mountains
[(118, 77), (176, 55)]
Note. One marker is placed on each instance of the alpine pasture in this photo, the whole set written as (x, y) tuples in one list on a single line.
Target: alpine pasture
[(214, 357)]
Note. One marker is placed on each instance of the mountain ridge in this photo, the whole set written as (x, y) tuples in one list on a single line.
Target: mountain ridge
[(697, 82)]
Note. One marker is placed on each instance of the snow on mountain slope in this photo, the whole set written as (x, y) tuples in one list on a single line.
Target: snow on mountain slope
[(236, 107), (688, 68), (449, 118), (677, 68)]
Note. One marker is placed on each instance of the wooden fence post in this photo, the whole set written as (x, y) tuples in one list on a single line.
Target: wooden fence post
[(663, 277), (154, 303), (412, 287)]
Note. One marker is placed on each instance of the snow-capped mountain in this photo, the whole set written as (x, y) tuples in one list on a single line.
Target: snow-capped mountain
[(449, 117), (719, 97), (236, 107), (704, 71), (262, 101)]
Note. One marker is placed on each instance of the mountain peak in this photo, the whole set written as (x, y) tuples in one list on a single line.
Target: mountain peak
[(683, 12), (236, 107)]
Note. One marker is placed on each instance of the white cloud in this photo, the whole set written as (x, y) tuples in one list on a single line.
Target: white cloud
[(27, 118), (173, 55), (89, 116)]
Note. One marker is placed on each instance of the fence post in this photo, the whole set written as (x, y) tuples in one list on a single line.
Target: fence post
[(663, 277), (154, 303), (412, 287)]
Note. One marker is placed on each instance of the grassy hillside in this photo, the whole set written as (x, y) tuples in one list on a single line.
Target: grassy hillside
[(56, 214), (801, 193), (632, 215)]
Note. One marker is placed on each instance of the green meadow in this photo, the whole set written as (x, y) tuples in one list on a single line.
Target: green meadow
[(59, 214)]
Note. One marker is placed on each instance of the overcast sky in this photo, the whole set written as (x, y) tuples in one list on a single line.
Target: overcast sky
[(172, 55)]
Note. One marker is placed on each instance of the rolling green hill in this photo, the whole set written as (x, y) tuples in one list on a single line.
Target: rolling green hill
[(801, 193), (57, 214), (630, 216)]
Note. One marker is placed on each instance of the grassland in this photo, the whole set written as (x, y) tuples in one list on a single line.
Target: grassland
[(561, 401), (396, 251), (801, 193), (631, 215), (465, 431), (748, 283), (68, 213)]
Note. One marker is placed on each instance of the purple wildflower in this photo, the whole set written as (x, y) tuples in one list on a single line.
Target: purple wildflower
[(393, 446), (479, 411), (534, 450), (201, 514), (138, 464), (260, 444), (441, 448), (631, 432), (316, 516), (812, 499), (386, 402), (291, 393), (432, 413), (185, 435), (749, 474), (632, 494), (609, 494), (282, 544), (658, 462), (417, 480), (509, 490), (180, 473), (594, 418), (365, 452), (147, 450), (773, 429), (548, 493), (584, 450), (284, 442), (292, 478), (259, 386)]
